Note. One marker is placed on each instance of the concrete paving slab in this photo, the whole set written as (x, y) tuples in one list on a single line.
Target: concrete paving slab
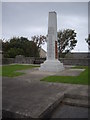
[(67, 111), (78, 97), (70, 72), (0, 96), (30, 97), (80, 92), (35, 73)]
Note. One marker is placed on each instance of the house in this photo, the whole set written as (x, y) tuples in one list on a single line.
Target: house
[(42, 53)]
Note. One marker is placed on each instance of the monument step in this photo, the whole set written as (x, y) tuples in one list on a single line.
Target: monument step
[(77, 96), (51, 65), (76, 102)]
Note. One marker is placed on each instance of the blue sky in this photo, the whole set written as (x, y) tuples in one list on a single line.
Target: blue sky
[(28, 19)]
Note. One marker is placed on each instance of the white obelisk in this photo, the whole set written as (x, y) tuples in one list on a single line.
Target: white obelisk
[(52, 63)]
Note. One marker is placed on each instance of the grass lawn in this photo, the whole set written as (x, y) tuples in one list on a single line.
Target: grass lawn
[(81, 79), (11, 70)]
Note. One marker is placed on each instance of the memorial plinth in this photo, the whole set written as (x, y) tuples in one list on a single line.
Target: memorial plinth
[(52, 63)]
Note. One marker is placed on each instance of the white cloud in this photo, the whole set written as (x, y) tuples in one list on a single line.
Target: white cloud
[(26, 19), (44, 0), (0, 20), (80, 25)]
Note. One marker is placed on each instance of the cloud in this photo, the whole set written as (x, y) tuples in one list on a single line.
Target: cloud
[(80, 25), (28, 19), (44, 0)]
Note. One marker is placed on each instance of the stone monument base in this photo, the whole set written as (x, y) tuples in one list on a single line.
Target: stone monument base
[(52, 66)]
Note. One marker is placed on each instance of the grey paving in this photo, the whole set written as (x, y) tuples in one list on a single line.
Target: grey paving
[(79, 92), (67, 111), (70, 72), (30, 99), (27, 96), (74, 105), (0, 96)]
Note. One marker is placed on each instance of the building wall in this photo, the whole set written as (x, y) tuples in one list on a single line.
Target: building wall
[(42, 53)]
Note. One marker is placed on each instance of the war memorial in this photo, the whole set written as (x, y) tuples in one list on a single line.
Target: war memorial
[(52, 63), (28, 96)]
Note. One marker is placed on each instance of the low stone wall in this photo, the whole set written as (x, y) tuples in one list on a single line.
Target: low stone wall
[(20, 61), (8, 60), (73, 61), (23, 60), (32, 60), (78, 55)]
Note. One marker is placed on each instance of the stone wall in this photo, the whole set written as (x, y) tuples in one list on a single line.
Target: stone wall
[(23, 60), (78, 55), (32, 60), (73, 61), (8, 60)]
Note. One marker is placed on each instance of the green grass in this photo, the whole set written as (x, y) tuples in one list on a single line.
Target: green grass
[(81, 79), (11, 70)]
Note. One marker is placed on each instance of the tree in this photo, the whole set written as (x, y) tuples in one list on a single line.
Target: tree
[(12, 52), (88, 41), (66, 41), (20, 46), (39, 40)]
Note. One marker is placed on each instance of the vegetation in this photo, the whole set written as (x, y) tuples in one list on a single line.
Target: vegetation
[(39, 40), (88, 41), (11, 70), (66, 41), (81, 79), (19, 46), (30, 48)]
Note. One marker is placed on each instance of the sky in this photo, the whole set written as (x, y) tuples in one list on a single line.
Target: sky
[(45, 0), (28, 19)]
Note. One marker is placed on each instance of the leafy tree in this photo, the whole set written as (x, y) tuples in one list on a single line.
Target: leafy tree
[(0, 44), (20, 46), (39, 40), (12, 52), (66, 41), (88, 41)]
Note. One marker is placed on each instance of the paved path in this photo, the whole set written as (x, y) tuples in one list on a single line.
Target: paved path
[(67, 111), (27, 96), (0, 97)]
